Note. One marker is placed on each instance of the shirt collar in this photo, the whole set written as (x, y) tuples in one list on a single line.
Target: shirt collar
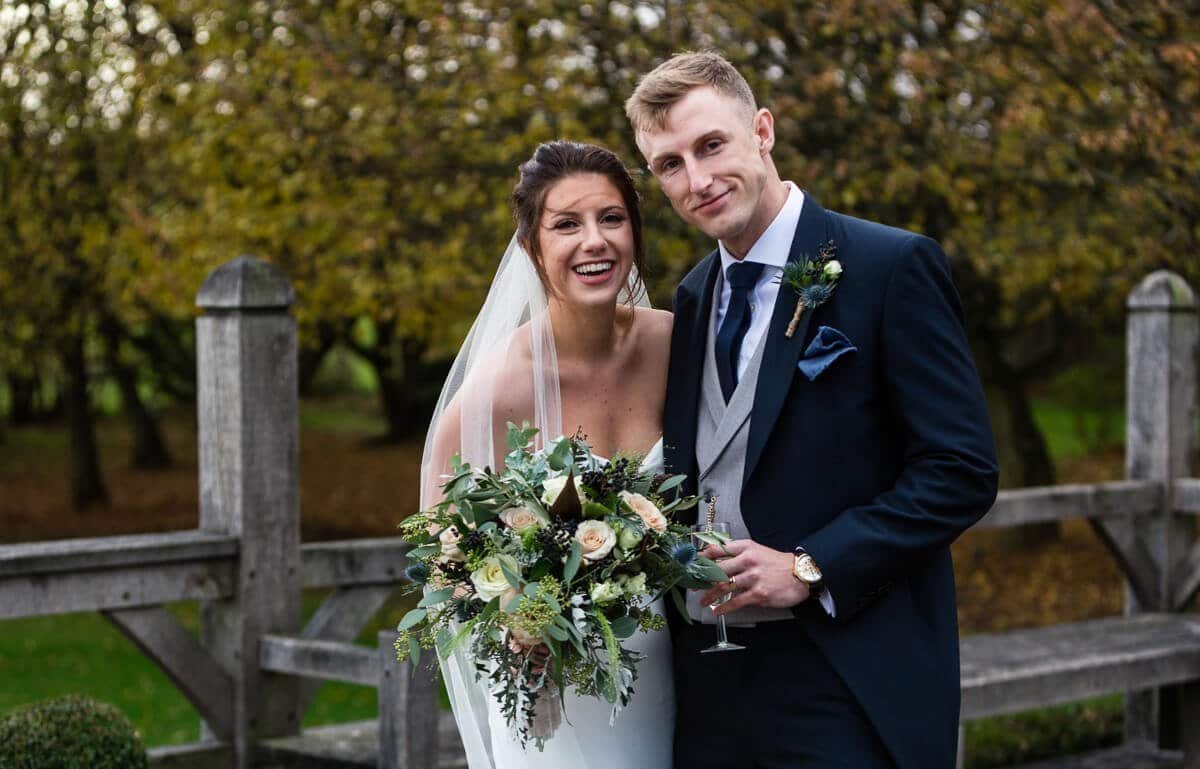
[(773, 246)]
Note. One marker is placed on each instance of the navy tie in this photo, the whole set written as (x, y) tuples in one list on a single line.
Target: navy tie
[(741, 276)]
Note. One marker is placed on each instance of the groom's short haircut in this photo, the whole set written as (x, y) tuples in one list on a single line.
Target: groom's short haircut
[(666, 84)]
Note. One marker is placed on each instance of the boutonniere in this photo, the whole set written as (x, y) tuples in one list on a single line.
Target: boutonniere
[(813, 279)]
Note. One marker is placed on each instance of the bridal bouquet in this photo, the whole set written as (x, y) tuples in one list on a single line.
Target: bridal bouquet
[(541, 572)]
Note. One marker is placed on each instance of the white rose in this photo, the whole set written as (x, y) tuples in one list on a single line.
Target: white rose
[(605, 592), (645, 509), (833, 269), (554, 486), (596, 539), (634, 586), (489, 580), (450, 538), (521, 518)]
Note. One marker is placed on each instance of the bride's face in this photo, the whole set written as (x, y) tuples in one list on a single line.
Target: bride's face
[(586, 240)]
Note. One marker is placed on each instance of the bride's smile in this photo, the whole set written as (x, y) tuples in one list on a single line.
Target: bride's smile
[(585, 240)]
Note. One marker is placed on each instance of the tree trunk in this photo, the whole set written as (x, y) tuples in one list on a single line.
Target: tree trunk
[(312, 356), (149, 450), (21, 390), (405, 384), (87, 483)]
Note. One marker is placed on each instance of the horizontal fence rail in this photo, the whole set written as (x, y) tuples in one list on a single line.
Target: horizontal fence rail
[(1043, 504)]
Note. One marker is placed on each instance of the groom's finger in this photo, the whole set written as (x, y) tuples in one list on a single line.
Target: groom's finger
[(730, 548), (739, 601)]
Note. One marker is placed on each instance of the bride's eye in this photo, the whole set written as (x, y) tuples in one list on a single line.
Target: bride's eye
[(565, 224), (613, 218)]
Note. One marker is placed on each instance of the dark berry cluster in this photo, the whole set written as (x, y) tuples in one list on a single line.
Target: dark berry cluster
[(471, 543), (466, 610), (454, 571), (556, 538), (614, 477)]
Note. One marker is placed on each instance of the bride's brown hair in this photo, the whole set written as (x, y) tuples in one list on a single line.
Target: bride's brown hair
[(556, 160)]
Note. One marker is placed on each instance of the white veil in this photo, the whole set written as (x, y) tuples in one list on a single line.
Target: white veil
[(514, 315)]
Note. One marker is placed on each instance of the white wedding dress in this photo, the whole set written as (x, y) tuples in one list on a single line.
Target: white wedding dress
[(639, 738)]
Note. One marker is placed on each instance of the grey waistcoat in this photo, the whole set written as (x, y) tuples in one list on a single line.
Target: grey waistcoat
[(722, 431)]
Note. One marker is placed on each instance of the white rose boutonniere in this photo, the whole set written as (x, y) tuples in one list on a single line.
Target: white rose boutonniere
[(596, 539), (813, 279)]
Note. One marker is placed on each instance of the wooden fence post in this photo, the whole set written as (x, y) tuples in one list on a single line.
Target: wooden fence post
[(408, 711), (1163, 339), (248, 436)]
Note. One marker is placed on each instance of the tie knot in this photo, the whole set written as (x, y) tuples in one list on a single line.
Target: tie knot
[(743, 275)]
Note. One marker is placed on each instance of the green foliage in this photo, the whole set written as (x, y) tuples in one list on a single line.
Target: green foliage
[(70, 733)]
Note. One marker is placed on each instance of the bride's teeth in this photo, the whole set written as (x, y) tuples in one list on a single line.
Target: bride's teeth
[(593, 269)]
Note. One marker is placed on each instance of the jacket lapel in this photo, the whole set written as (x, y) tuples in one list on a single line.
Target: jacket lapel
[(686, 366), (782, 354)]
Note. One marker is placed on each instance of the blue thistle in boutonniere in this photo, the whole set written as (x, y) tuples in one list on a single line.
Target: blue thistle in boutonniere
[(813, 279)]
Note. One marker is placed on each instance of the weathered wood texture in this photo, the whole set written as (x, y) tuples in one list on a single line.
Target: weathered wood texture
[(1163, 340), (353, 746), (1057, 503), (1137, 755), (249, 486), (340, 618), (40, 578), (325, 660), (190, 667), (1187, 496), (408, 711), (195, 755), (375, 561), (1009, 672)]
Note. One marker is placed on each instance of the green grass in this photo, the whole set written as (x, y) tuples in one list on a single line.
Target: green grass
[(1070, 432), (44, 657)]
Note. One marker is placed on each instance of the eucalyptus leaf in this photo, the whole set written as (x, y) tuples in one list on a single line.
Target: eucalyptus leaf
[(436, 597), (624, 627), (572, 564), (410, 620), (671, 483), (414, 650)]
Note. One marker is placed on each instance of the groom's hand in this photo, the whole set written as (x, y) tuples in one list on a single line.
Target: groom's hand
[(759, 575)]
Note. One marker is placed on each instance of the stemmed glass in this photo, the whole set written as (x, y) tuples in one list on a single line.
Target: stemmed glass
[(701, 541)]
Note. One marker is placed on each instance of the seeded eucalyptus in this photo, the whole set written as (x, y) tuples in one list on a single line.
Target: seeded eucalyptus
[(813, 279)]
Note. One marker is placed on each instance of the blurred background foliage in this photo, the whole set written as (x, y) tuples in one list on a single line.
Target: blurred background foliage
[(368, 147)]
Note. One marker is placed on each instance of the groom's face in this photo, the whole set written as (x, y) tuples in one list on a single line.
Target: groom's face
[(712, 159)]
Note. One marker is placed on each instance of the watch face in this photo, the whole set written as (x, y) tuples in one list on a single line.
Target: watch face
[(806, 569)]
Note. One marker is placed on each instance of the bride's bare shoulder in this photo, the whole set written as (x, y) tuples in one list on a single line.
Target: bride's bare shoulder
[(654, 329)]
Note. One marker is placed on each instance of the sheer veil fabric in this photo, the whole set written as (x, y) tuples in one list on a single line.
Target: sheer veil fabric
[(512, 327)]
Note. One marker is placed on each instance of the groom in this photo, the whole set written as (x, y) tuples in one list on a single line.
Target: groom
[(845, 455)]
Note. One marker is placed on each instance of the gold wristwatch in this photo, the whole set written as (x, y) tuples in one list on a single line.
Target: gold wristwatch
[(805, 570)]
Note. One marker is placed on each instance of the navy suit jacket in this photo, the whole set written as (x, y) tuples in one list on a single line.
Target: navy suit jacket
[(874, 467)]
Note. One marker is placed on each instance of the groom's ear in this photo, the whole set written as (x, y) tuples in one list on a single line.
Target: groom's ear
[(764, 130)]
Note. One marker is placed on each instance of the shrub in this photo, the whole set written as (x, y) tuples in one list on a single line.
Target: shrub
[(70, 733)]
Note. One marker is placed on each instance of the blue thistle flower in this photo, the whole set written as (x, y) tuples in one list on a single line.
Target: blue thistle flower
[(814, 295), (683, 553), (417, 572)]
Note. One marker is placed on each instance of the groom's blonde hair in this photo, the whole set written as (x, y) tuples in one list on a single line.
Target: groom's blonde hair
[(660, 88)]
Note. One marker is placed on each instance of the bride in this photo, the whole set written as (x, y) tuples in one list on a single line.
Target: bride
[(566, 341)]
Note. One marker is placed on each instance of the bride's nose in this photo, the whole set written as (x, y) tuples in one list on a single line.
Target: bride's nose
[(593, 239)]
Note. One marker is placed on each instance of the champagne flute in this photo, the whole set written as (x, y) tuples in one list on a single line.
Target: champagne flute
[(723, 643)]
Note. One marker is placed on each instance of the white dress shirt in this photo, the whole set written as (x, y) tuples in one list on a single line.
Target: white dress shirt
[(771, 250)]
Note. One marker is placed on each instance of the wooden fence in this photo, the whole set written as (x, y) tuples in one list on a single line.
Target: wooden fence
[(255, 668)]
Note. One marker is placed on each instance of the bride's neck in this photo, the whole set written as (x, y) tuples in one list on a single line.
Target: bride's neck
[(584, 333)]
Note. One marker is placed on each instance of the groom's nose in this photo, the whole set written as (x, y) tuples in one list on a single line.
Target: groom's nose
[(699, 179)]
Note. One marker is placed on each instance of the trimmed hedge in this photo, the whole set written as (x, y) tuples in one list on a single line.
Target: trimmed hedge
[(70, 733)]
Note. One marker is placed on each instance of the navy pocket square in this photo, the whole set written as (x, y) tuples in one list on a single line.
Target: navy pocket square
[(827, 346)]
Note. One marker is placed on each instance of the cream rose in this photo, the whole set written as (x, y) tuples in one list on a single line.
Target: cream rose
[(489, 580), (596, 539), (645, 509), (554, 486), (450, 538), (521, 518), (833, 269)]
